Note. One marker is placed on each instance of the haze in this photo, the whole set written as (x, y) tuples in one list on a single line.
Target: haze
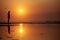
[(34, 10)]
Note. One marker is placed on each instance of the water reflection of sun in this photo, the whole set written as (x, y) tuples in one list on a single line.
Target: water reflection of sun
[(21, 30)]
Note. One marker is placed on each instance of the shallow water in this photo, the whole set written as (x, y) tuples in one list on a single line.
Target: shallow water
[(31, 32)]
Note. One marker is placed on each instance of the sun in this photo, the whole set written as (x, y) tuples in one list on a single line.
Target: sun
[(21, 10)]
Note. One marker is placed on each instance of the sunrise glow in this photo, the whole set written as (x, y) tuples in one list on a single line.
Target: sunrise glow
[(21, 10)]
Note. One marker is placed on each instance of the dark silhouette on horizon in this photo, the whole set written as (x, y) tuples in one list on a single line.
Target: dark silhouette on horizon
[(8, 22)]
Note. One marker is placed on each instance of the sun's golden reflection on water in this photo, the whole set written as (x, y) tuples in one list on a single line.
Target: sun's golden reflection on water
[(21, 28)]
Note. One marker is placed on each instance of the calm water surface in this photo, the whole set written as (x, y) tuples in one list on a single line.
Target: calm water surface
[(31, 32)]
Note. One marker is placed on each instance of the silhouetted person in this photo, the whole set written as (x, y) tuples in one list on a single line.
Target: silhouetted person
[(8, 22)]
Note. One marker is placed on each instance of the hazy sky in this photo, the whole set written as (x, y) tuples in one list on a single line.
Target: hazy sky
[(33, 10)]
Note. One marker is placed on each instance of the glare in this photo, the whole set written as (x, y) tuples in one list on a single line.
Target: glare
[(20, 30), (21, 24), (21, 10)]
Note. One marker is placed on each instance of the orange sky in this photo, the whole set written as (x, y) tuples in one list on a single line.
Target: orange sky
[(34, 10)]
